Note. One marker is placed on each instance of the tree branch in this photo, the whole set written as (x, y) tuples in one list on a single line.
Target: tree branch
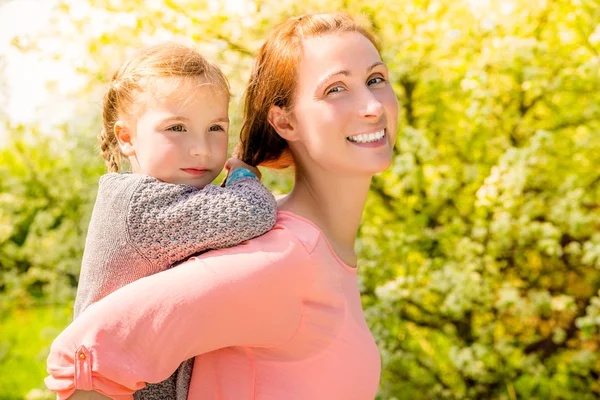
[(409, 88), (235, 46)]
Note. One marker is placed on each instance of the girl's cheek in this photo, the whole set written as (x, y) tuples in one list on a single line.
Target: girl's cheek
[(219, 139)]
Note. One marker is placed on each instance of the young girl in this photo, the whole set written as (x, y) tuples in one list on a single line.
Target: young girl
[(166, 111)]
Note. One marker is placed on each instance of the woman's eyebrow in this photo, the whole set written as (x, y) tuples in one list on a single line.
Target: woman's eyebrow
[(346, 72), (327, 77), (375, 64)]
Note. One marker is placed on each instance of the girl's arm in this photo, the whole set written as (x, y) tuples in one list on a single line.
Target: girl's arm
[(250, 295), (167, 223)]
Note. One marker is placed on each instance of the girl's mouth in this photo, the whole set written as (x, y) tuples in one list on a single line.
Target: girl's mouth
[(195, 171)]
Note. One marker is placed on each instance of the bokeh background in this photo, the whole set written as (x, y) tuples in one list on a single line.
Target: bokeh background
[(479, 248)]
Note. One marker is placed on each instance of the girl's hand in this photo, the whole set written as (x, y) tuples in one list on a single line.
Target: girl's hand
[(87, 395), (233, 164)]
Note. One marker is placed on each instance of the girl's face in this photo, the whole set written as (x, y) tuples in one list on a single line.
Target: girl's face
[(183, 138), (345, 111)]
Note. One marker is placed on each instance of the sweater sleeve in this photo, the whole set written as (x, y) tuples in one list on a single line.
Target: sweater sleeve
[(168, 223), (249, 295), (163, 224)]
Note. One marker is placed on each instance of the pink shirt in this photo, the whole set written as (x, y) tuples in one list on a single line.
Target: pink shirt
[(277, 317)]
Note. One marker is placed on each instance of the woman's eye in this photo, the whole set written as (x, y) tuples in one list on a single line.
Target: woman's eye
[(375, 81), (336, 89), (176, 128), (216, 128)]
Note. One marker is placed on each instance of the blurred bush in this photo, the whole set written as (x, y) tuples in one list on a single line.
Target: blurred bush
[(480, 247)]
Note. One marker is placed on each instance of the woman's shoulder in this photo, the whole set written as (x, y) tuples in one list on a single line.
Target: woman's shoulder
[(286, 247), (312, 238), (305, 231), (290, 236)]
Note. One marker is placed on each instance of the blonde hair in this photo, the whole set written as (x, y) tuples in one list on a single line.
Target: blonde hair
[(136, 74), (273, 82)]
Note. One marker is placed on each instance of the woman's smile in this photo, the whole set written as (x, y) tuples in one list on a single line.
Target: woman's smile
[(373, 139)]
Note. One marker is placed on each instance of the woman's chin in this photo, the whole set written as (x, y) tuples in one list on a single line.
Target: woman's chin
[(373, 169), (359, 166), (385, 165), (381, 165)]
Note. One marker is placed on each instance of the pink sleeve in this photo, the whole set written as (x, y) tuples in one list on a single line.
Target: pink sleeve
[(248, 295)]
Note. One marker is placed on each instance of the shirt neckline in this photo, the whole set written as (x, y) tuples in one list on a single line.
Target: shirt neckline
[(347, 267)]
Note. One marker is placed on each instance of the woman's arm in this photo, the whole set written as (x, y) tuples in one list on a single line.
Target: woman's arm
[(250, 295)]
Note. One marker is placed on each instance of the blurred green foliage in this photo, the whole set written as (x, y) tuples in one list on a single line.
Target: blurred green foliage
[(26, 338), (480, 247), (46, 194)]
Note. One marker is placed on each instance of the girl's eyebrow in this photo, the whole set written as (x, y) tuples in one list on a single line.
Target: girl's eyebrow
[(222, 119), (178, 118), (345, 72), (175, 118)]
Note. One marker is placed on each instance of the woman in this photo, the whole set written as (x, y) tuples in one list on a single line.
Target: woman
[(277, 317)]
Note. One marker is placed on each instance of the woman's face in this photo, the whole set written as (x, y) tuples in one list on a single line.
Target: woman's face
[(345, 111)]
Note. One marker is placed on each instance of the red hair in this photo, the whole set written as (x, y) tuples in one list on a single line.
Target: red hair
[(273, 81)]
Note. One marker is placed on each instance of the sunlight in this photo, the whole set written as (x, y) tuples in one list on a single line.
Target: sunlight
[(27, 74), (483, 8), (38, 85)]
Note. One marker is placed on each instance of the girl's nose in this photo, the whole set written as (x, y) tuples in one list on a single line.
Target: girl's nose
[(200, 149)]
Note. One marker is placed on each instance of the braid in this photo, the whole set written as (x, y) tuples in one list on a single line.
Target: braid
[(106, 137), (106, 152)]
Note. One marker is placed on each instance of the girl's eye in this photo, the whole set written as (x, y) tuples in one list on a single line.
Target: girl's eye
[(375, 81), (176, 128), (335, 89), (216, 128)]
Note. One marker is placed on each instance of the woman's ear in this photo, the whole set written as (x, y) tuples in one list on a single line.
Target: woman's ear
[(125, 138), (282, 121)]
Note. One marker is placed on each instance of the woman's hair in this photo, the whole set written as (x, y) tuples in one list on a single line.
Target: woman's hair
[(138, 74), (273, 81)]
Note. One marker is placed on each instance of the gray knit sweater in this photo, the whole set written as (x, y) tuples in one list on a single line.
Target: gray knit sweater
[(141, 226)]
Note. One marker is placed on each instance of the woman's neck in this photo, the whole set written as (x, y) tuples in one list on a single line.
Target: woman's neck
[(334, 203)]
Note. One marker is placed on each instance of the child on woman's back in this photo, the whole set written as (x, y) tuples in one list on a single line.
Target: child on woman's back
[(166, 111)]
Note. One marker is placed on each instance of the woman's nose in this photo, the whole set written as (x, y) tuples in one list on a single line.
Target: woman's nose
[(371, 106)]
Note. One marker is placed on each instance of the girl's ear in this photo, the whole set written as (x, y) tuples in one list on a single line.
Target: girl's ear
[(282, 121), (125, 138)]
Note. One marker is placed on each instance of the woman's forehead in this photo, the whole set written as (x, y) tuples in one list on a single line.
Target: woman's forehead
[(350, 52)]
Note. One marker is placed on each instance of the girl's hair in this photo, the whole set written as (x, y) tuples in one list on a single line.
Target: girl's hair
[(273, 81), (137, 74)]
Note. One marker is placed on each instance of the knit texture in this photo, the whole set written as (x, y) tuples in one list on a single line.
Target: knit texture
[(141, 226)]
